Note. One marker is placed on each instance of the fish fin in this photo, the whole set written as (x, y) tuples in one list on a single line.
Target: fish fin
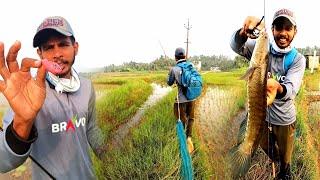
[(242, 130), (240, 161), (248, 74)]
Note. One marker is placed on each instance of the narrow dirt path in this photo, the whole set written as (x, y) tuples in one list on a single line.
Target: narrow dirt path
[(218, 127), (119, 135)]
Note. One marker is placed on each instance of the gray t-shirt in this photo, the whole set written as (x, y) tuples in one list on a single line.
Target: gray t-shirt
[(66, 126), (282, 111)]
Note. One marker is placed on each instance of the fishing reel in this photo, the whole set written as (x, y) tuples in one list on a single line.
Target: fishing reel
[(255, 32)]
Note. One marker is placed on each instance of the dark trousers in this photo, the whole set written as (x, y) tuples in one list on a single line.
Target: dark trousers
[(279, 145), (186, 115)]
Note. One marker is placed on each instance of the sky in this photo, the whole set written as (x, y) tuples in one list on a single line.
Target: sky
[(113, 32)]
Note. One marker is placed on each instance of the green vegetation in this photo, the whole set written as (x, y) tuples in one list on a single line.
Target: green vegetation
[(306, 161), (312, 81), (227, 95), (123, 77), (231, 78), (304, 165), (120, 104), (224, 63), (152, 150)]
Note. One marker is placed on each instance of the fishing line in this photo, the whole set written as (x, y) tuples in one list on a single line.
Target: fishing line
[(270, 130)]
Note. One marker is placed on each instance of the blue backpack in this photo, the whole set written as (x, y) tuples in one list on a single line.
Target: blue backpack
[(190, 80), (288, 59)]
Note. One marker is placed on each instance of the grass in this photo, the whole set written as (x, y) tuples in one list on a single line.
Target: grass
[(304, 163), (307, 145), (217, 130), (152, 150), (120, 104), (123, 77), (3, 109), (312, 81), (231, 78)]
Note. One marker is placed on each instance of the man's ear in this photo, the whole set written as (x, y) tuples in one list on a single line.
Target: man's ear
[(39, 53), (76, 46), (295, 31)]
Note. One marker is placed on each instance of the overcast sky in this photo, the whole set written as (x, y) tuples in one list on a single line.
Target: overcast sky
[(113, 32)]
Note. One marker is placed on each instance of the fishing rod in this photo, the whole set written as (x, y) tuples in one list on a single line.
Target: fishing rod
[(256, 32), (37, 163), (270, 129)]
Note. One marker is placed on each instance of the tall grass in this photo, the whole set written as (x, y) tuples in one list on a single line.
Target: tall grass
[(120, 104), (152, 150), (312, 81), (304, 163), (217, 128), (122, 78)]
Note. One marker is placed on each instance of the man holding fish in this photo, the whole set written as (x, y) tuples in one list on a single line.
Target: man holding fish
[(285, 70), (52, 116)]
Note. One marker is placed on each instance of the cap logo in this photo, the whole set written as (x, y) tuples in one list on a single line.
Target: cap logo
[(51, 23), (284, 12)]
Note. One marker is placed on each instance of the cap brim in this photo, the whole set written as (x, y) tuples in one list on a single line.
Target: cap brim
[(288, 17), (45, 32)]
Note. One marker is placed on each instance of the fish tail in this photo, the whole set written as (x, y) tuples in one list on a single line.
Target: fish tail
[(240, 161)]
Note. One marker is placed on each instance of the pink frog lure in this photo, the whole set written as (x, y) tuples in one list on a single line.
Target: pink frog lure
[(51, 66)]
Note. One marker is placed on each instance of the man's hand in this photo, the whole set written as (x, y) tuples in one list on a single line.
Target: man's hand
[(249, 24), (273, 87), (24, 94)]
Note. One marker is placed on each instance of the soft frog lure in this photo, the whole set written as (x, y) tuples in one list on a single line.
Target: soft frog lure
[(52, 67)]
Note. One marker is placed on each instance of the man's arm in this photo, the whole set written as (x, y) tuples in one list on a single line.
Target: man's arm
[(95, 136), (293, 80), (25, 96), (242, 45), (242, 42), (291, 85), (171, 77), (13, 150)]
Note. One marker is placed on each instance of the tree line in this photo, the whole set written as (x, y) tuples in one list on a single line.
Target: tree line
[(221, 62), (224, 63)]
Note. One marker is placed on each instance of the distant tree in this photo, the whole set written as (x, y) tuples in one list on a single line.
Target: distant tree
[(241, 61)]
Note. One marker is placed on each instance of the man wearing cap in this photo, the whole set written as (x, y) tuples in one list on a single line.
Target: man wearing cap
[(52, 117), (283, 83), (182, 104)]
